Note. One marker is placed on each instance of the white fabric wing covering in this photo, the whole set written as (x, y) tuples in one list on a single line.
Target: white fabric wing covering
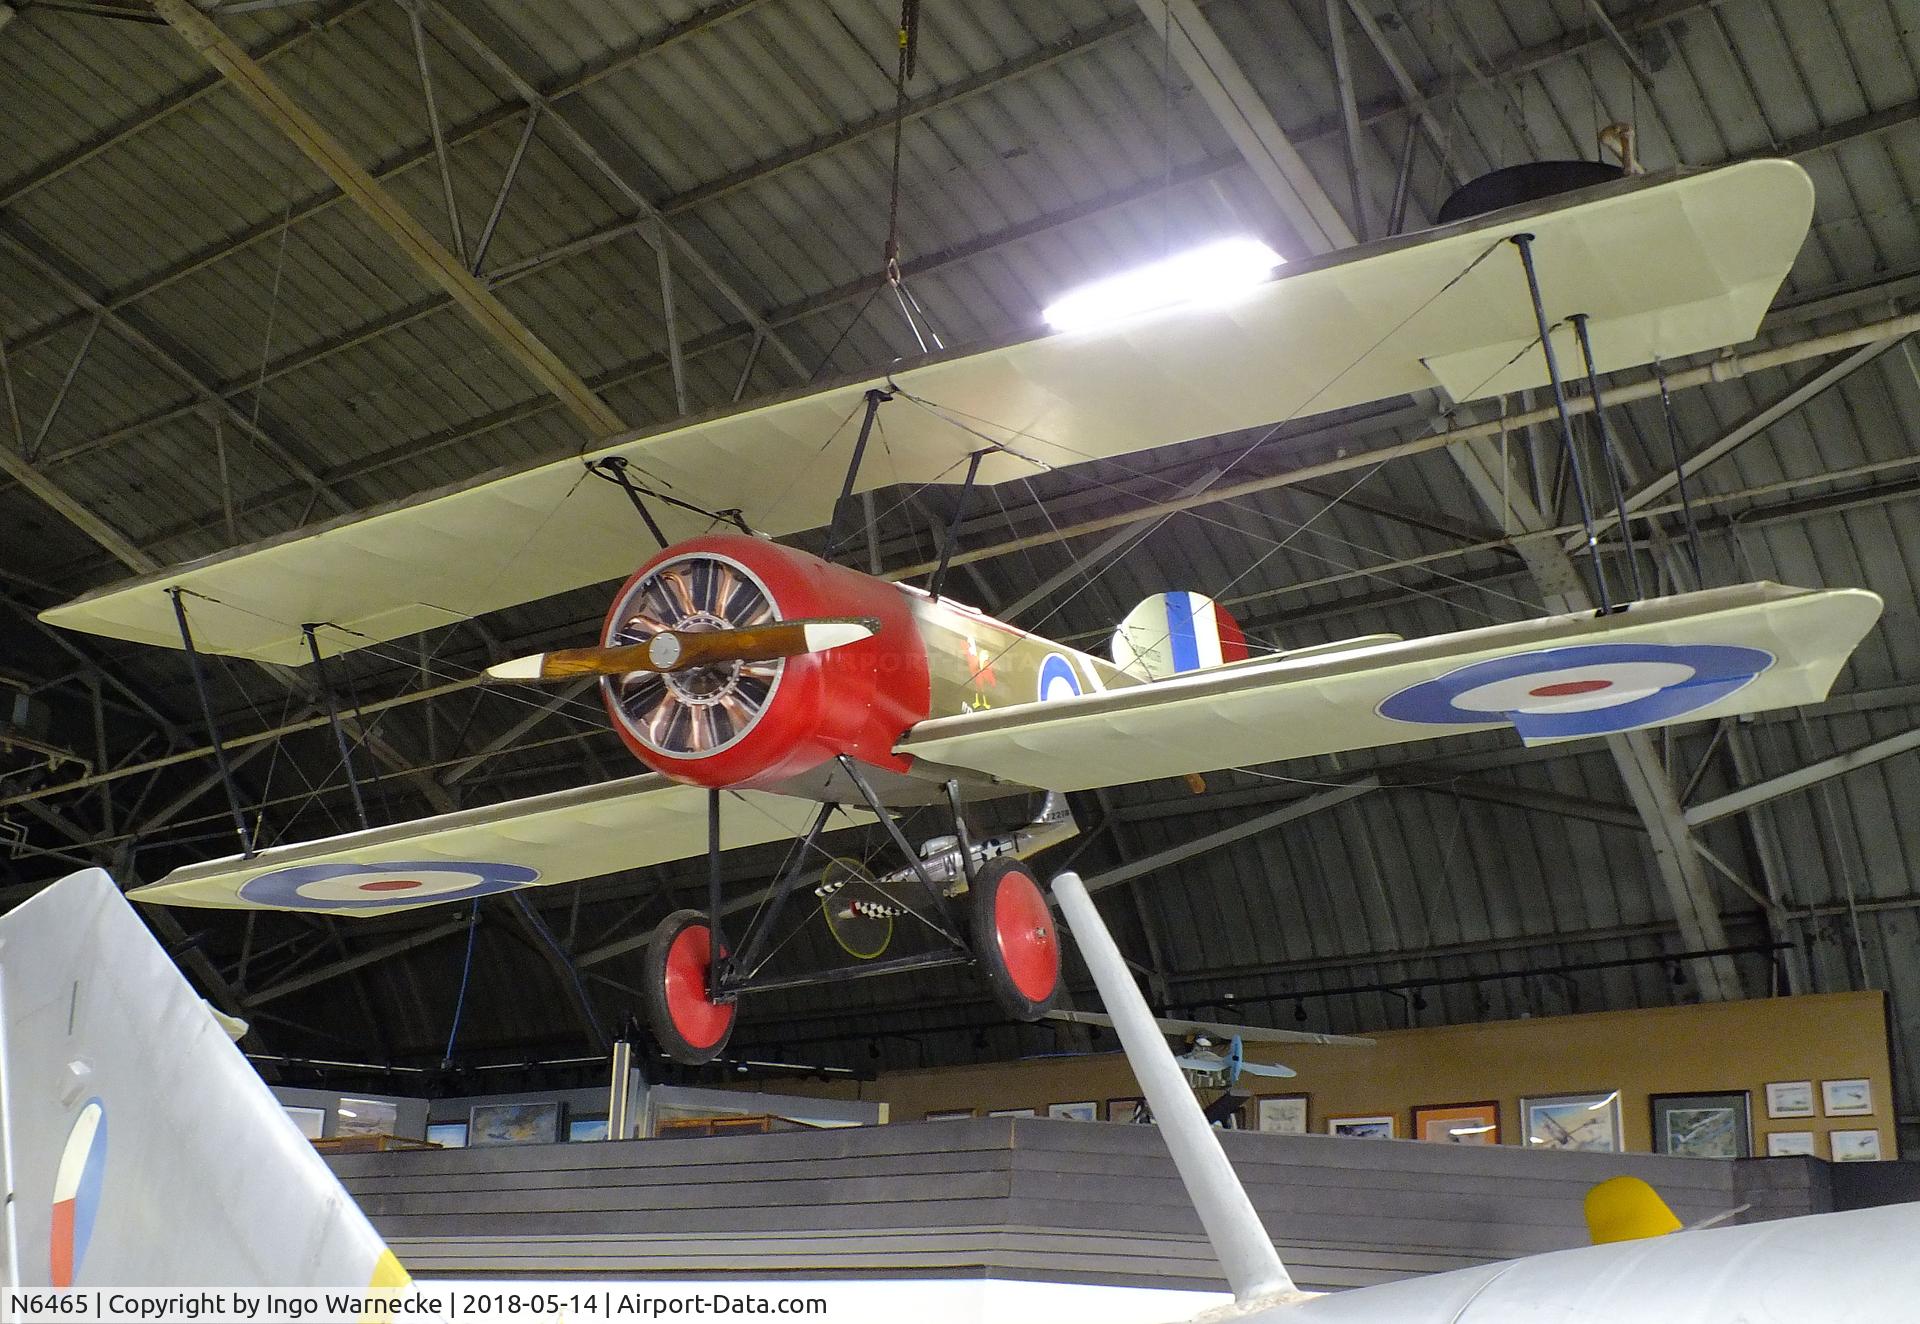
[(561, 837), (1663, 267), (1327, 703)]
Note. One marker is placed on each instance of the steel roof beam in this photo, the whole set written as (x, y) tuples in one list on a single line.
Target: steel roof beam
[(1787, 783), (493, 318), (1267, 150)]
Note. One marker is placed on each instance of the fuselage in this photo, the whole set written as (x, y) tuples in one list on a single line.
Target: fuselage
[(782, 726), (1856, 1267)]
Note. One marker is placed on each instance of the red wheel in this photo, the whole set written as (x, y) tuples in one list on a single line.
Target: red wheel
[(689, 1024), (1015, 939)]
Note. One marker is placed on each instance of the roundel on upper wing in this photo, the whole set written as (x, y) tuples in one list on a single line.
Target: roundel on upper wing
[(1581, 690), (76, 1193), (1057, 679), (346, 885)]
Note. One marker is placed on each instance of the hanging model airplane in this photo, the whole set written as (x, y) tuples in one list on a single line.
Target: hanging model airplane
[(760, 677)]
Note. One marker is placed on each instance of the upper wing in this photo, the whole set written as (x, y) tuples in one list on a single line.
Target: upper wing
[(1710, 654), (1650, 261), (545, 839)]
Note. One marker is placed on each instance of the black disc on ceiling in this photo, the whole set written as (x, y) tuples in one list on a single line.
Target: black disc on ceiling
[(1513, 185)]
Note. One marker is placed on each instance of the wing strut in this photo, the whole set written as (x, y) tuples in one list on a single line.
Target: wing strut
[(875, 398), (213, 729)]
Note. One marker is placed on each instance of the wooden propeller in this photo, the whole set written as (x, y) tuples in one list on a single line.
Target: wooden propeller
[(677, 650)]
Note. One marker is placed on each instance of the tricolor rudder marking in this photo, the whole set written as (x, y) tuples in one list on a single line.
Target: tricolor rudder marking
[(76, 1193), (1581, 690), (347, 885)]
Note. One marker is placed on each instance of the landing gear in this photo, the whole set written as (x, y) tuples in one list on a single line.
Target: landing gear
[(1015, 939), (969, 902), (692, 1028)]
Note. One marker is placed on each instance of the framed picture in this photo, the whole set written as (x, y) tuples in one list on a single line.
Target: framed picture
[(513, 1124), (311, 1121), (1367, 1128), (1847, 1098), (950, 1115), (586, 1128), (1130, 1108), (1703, 1125), (1790, 1098), (1589, 1122), (1790, 1144), (365, 1117), (1088, 1111), (1854, 1146), (1458, 1123), (1282, 1114), (1013, 1112), (447, 1135)]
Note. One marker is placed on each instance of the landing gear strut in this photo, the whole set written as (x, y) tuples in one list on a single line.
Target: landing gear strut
[(695, 973)]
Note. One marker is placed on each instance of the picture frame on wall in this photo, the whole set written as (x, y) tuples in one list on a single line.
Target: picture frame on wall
[(1086, 1111), (1847, 1098), (1718, 1126), (586, 1129), (1586, 1122), (1854, 1146), (1790, 1144), (1014, 1112), (311, 1121), (366, 1117), (1378, 1126), (447, 1135), (1458, 1123), (950, 1115), (1281, 1114), (513, 1124), (1790, 1098), (1129, 1108)]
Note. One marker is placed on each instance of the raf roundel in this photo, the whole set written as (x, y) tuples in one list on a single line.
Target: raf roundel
[(346, 885), (1581, 690), (76, 1193), (1057, 680)]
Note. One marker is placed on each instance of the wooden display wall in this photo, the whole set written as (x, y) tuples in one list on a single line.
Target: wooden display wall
[(1705, 1049)]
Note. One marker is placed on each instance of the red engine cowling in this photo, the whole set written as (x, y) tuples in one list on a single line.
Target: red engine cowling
[(757, 724)]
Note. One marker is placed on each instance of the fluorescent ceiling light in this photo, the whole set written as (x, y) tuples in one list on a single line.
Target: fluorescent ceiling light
[(1212, 273)]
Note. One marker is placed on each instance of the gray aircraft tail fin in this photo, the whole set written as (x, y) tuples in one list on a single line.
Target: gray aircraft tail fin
[(139, 1147)]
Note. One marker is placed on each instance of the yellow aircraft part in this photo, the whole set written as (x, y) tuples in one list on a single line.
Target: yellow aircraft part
[(1627, 1209)]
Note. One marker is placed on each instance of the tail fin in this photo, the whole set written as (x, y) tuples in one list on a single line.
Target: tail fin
[(140, 1147), (1174, 632), (1627, 1209)]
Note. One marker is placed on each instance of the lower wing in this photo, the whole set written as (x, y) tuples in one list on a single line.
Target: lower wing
[(1717, 653), (536, 842)]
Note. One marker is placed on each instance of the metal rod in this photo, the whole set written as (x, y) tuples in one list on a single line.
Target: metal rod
[(13, 403), (1349, 115), (1524, 242), (1579, 321), (875, 398), (746, 369), (213, 731), (967, 862), (939, 579), (716, 952), (881, 812), (333, 720), (1241, 1244), (788, 883), (60, 396), (433, 125), (506, 187), (676, 363), (865, 970), (614, 469), (1680, 478)]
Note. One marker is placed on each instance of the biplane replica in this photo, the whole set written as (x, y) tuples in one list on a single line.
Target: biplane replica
[(759, 679)]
